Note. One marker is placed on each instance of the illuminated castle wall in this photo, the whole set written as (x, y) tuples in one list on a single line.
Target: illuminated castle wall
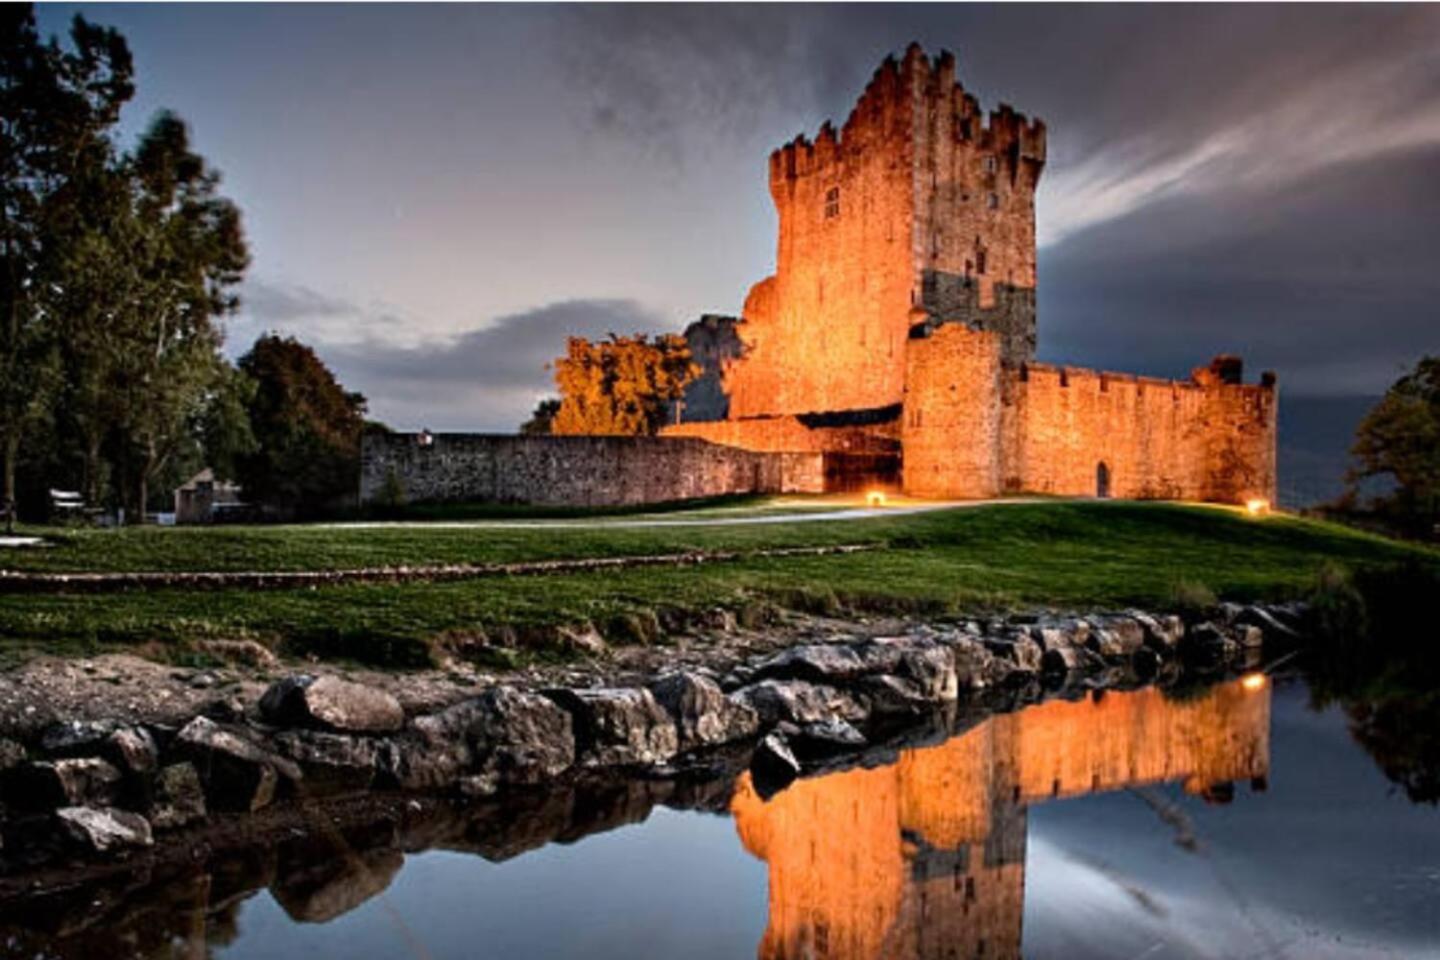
[(925, 858), (903, 305)]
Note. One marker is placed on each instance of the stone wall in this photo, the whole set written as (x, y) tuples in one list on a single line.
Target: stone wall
[(975, 427), (573, 471)]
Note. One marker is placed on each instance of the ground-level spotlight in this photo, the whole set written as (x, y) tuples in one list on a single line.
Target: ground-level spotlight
[(1253, 681), (875, 498), (1257, 507)]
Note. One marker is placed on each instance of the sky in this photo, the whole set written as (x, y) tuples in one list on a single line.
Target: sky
[(436, 195)]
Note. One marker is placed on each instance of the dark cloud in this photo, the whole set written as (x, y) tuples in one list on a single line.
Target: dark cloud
[(486, 379), (1329, 279)]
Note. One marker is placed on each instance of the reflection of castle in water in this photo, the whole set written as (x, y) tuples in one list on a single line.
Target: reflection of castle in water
[(926, 857)]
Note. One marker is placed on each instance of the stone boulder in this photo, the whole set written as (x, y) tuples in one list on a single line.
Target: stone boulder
[(1115, 638), (332, 762), (704, 716), (1062, 660), (830, 663), (521, 737), (70, 782), (238, 773), (618, 726), (179, 798), (799, 702), (331, 703), (104, 829), (1021, 651)]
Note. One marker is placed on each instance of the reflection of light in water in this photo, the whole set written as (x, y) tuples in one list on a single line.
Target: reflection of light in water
[(1253, 681), (926, 857)]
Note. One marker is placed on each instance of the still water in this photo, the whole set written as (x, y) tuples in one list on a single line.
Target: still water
[(1232, 822)]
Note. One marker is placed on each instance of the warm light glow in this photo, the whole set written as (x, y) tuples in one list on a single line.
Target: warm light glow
[(1253, 681), (875, 498), (1257, 507)]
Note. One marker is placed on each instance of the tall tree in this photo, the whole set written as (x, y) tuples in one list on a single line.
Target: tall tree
[(622, 385), (1400, 438), (57, 106), (189, 255), (306, 428)]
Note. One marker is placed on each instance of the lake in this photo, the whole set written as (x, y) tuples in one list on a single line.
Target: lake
[(1228, 821)]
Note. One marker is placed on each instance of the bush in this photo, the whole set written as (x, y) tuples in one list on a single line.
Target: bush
[(1192, 599)]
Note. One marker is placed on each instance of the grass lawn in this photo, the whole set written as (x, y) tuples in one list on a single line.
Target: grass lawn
[(1063, 554)]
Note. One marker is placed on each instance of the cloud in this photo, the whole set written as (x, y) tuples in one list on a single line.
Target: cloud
[(1329, 279), (486, 379)]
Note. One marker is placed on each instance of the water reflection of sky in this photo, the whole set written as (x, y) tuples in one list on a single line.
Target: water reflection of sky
[(1330, 862)]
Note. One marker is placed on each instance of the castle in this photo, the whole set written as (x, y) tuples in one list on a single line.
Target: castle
[(897, 336), (893, 348)]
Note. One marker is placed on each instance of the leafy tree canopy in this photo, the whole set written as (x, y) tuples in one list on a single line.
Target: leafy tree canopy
[(306, 429), (621, 385), (1400, 438)]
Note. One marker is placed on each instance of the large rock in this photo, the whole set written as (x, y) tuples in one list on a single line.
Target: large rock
[(238, 773), (1115, 638), (331, 703), (179, 797), (704, 716), (799, 702), (619, 726), (332, 762), (830, 663), (522, 737), (1021, 651), (103, 829), (1161, 633), (71, 782)]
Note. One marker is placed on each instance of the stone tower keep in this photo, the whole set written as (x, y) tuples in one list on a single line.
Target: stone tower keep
[(920, 210), (897, 336)]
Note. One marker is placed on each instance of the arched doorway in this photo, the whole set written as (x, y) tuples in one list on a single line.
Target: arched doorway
[(1102, 480)]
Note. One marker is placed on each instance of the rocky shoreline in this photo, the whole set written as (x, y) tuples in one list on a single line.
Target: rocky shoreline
[(80, 795)]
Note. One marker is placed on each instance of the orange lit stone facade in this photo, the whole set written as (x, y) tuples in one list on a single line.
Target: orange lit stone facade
[(925, 858), (905, 281)]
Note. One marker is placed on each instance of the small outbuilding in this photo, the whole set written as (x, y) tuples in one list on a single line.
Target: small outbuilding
[(202, 496)]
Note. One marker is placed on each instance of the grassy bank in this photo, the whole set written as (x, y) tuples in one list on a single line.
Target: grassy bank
[(1069, 554)]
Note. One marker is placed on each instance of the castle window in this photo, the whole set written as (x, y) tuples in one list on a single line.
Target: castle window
[(992, 201), (980, 262), (989, 165), (832, 202)]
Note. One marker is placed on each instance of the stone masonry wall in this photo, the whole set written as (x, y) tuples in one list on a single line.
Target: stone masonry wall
[(574, 471), (975, 427), (951, 421)]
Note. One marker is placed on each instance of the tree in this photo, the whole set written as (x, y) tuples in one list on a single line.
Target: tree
[(623, 385), (1400, 438), (189, 255), (306, 428), (542, 421), (57, 106)]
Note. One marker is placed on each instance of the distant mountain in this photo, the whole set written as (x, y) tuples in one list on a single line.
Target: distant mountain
[(1315, 438)]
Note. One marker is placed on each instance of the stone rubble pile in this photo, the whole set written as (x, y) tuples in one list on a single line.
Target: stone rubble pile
[(100, 787)]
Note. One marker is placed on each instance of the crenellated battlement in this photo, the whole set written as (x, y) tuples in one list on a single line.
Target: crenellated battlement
[(901, 96)]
